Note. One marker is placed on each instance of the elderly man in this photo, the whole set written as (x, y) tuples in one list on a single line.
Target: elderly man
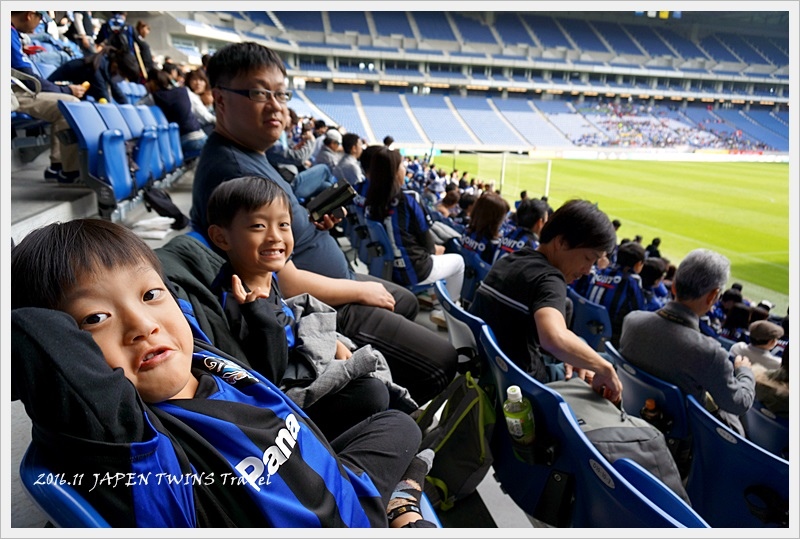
[(668, 343), (250, 95)]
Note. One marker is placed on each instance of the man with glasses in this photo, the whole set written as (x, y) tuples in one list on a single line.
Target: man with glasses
[(250, 97)]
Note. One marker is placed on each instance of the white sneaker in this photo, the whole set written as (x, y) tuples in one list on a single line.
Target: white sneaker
[(437, 317)]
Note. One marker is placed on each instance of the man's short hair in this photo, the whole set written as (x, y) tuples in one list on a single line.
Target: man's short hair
[(630, 254), (530, 210), (700, 272), (582, 225), (349, 141), (241, 58)]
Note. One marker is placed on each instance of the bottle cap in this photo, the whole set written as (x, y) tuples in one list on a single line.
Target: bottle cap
[(650, 404), (514, 394)]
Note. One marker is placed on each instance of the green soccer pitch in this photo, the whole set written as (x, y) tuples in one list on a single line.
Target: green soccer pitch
[(740, 210)]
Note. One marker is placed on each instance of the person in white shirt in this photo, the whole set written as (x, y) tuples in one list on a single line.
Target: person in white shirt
[(764, 336)]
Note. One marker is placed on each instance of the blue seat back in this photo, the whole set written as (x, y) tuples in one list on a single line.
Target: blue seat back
[(603, 497), (381, 263), (174, 134), (463, 331), (165, 161), (475, 271), (590, 320), (62, 504), (102, 150), (766, 430), (640, 386), (733, 483), (144, 143)]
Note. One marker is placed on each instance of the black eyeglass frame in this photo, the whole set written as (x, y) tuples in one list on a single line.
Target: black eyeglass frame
[(276, 95)]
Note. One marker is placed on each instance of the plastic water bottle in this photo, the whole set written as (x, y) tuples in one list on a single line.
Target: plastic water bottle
[(519, 419)]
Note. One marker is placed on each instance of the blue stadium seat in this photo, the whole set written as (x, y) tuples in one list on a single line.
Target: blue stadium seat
[(640, 386), (62, 504), (475, 271), (381, 262), (102, 155), (590, 320), (568, 483), (164, 144), (733, 483), (766, 430), (174, 134), (463, 332), (143, 144)]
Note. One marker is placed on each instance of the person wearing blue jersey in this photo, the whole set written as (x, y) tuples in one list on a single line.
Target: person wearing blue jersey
[(418, 260), (618, 287), (337, 386), (483, 233), (528, 221), (118, 383), (64, 163)]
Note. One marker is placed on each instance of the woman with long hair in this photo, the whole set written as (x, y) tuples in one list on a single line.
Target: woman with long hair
[(417, 259), (484, 230)]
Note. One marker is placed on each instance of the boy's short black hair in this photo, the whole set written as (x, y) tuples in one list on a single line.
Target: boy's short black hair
[(529, 211), (349, 140), (630, 254), (247, 193), (582, 225), (48, 262), (241, 58), (654, 268)]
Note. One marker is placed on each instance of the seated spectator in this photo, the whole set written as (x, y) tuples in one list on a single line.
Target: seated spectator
[(652, 249), (81, 30), (652, 276), (465, 204), (483, 232), (177, 107), (772, 385), (448, 207), (529, 219), (523, 195), (250, 220), (523, 299), (418, 260), (783, 341), (331, 150), (721, 308), (669, 345), (764, 336), (101, 70), (369, 310), (96, 329), (348, 168), (736, 323), (202, 100), (64, 164), (618, 287)]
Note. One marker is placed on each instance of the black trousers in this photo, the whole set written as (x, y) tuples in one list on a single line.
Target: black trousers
[(420, 360)]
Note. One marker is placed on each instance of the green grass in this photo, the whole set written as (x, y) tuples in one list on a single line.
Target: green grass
[(740, 210)]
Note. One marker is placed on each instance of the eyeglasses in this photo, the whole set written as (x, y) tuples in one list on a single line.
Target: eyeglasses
[(261, 96)]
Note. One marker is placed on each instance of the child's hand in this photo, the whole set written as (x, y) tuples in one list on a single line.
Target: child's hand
[(246, 297), (342, 351)]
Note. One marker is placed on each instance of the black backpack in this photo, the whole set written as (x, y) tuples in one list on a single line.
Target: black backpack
[(158, 200)]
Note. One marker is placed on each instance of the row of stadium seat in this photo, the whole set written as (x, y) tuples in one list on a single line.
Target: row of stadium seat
[(122, 150)]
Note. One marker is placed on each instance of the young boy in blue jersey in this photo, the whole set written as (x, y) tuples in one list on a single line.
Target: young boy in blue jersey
[(250, 220), (106, 366)]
